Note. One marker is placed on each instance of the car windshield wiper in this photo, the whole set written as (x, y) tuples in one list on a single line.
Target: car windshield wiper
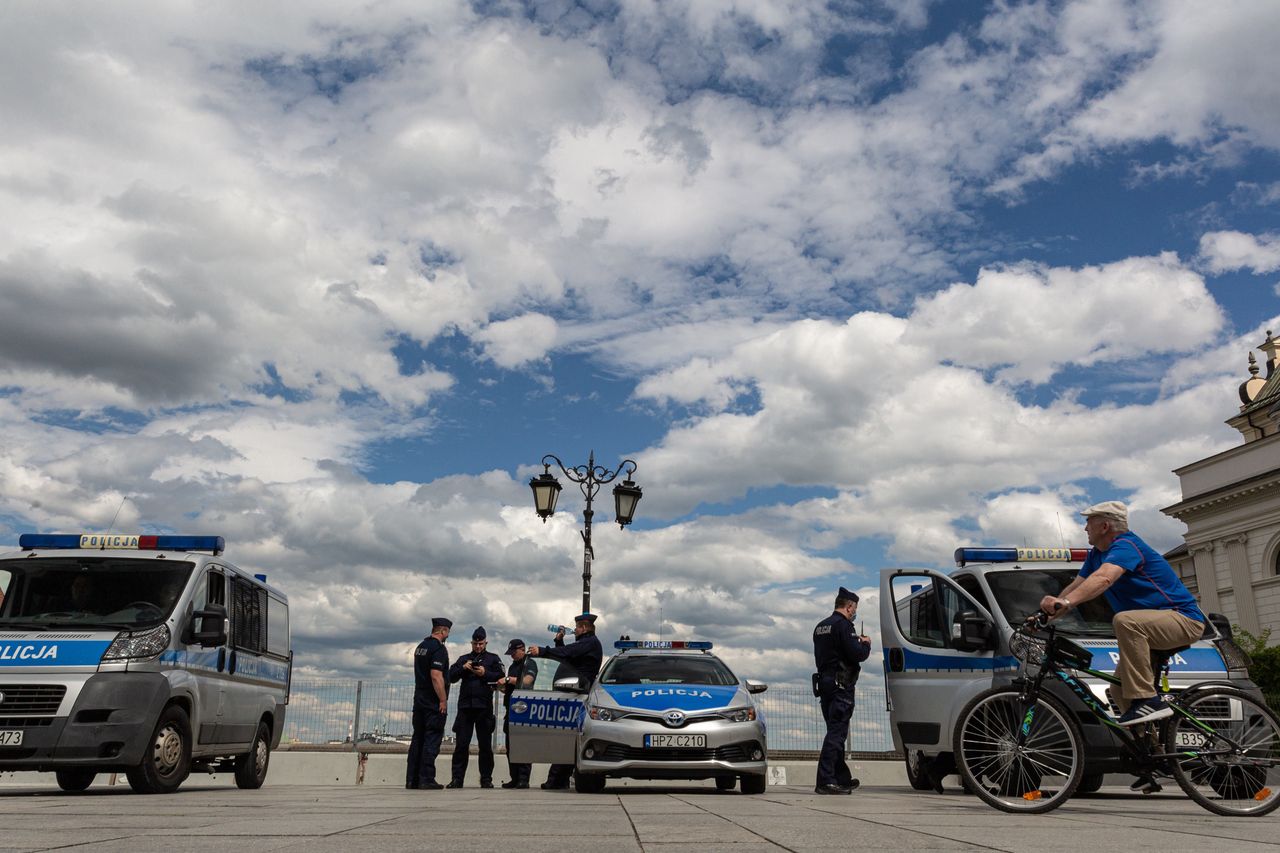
[(118, 626), (23, 626)]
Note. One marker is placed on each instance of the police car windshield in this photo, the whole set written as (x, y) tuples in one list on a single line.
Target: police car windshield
[(88, 593), (1018, 592), (666, 669)]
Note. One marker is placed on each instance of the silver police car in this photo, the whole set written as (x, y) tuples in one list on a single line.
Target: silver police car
[(671, 710)]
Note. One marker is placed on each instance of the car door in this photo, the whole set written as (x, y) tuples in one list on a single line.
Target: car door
[(209, 665), (543, 723), (928, 676)]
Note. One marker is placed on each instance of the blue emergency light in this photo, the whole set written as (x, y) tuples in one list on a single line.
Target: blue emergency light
[(120, 542), (662, 644), (1020, 555)]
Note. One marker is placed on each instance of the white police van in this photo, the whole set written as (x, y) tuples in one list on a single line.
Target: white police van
[(946, 639), (660, 709), (147, 655)]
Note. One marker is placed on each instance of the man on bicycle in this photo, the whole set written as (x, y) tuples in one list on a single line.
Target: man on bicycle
[(1153, 609)]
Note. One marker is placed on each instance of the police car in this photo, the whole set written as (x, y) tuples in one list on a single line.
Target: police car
[(946, 639), (659, 710), (145, 655)]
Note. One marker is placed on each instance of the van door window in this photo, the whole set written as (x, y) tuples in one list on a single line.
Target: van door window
[(277, 627), (248, 616), (925, 608)]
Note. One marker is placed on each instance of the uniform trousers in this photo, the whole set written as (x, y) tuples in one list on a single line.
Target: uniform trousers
[(837, 711), (428, 732), (482, 722)]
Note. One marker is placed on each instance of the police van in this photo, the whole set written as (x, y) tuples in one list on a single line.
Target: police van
[(147, 655), (946, 639), (660, 709)]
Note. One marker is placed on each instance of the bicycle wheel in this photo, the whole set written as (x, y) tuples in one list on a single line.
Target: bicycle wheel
[(1034, 778), (1239, 784)]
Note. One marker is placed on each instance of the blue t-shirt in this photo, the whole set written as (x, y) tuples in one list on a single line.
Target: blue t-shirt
[(1148, 582)]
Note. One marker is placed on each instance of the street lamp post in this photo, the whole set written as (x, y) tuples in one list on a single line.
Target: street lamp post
[(589, 477)]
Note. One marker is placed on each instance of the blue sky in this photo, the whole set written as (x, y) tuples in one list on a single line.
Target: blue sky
[(852, 282)]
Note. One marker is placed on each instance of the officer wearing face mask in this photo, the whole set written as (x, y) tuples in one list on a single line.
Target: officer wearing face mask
[(838, 653)]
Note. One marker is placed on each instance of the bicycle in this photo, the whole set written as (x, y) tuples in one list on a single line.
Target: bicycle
[(1021, 750)]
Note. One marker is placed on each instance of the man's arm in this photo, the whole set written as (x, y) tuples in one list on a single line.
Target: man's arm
[(437, 679), (494, 670), (456, 671), (1081, 590)]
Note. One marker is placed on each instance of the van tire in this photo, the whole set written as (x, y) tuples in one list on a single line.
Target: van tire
[(251, 768), (754, 783), (166, 761), (1090, 783), (917, 775), (73, 780)]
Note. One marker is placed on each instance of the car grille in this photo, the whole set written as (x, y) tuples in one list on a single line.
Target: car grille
[(734, 752), (31, 699), (25, 722)]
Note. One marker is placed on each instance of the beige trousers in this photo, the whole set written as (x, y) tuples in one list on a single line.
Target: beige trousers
[(1140, 631)]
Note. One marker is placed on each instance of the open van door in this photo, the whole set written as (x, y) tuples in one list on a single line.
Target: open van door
[(543, 721), (939, 649)]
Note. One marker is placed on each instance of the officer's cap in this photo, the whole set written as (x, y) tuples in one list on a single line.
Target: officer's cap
[(515, 644), (1108, 509), (478, 634), (441, 622), (589, 618), (848, 595)]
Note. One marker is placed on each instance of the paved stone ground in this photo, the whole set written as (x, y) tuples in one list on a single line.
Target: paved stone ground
[(637, 818)]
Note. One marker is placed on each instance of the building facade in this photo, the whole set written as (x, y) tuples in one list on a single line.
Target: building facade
[(1231, 506)]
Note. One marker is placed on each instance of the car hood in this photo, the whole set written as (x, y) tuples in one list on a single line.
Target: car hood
[(662, 697)]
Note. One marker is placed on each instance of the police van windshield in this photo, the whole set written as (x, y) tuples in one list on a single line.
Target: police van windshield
[(666, 669), (98, 593), (1018, 593)]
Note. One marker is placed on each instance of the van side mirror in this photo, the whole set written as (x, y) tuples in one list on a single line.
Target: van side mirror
[(210, 626), (571, 684), (756, 686), (970, 632)]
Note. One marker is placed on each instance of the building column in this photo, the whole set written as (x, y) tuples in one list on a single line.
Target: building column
[(1206, 577), (1242, 582)]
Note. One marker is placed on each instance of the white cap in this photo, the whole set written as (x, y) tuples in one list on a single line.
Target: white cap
[(1108, 509)]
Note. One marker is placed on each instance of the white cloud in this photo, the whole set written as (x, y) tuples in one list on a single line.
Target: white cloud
[(511, 343), (1227, 251)]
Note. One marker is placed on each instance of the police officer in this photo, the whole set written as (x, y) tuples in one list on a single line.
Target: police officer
[(430, 700), (584, 656), (479, 672), (520, 676), (838, 653)]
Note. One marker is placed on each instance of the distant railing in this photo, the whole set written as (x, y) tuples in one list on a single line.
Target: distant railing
[(377, 714)]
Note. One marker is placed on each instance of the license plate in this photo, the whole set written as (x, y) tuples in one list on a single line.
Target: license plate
[(665, 741), (1191, 740), (11, 737)]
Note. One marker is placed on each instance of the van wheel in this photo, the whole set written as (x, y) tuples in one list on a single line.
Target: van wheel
[(74, 780), (917, 775), (754, 783), (1090, 783), (251, 768), (588, 783), (166, 761), (725, 783)]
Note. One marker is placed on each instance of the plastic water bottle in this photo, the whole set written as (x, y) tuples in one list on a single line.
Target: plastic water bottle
[(556, 629)]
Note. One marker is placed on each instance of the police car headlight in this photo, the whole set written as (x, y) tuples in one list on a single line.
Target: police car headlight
[(142, 644), (606, 715), (740, 715)]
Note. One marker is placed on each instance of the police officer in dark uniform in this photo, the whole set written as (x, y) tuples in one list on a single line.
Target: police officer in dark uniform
[(430, 700), (479, 672), (838, 653), (584, 656), (520, 676)]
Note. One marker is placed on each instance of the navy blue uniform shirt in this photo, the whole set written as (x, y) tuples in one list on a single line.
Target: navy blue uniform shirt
[(430, 655), (834, 643), (584, 654), (476, 691), (519, 669)]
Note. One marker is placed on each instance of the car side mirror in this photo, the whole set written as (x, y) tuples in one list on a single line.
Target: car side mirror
[(210, 626), (756, 686), (572, 684), (970, 632)]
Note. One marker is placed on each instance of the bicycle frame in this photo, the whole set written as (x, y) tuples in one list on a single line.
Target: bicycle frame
[(1031, 688)]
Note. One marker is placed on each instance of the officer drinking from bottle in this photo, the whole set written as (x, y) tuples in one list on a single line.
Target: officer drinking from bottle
[(430, 700), (581, 657), (479, 672), (838, 653)]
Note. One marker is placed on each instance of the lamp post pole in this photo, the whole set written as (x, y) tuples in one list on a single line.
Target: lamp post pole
[(589, 477)]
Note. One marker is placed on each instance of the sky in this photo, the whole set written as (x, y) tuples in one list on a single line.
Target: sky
[(853, 283)]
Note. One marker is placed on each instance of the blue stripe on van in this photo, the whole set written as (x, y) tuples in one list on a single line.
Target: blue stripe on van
[(913, 660), (52, 652)]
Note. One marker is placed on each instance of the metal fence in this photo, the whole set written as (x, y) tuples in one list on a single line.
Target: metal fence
[(340, 714)]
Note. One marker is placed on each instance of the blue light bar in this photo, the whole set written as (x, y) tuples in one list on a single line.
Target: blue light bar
[(120, 542), (662, 644), (1020, 555)]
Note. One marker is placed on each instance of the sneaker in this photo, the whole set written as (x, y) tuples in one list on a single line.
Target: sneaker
[(1145, 711)]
